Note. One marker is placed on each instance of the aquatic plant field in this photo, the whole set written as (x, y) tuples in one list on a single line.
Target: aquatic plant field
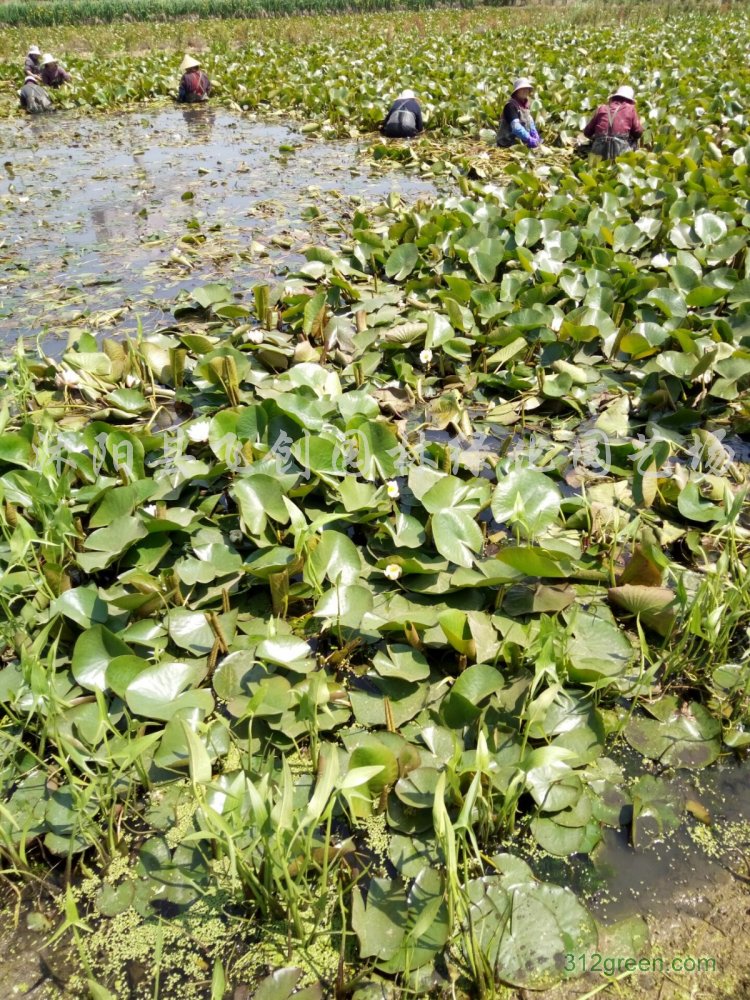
[(375, 606)]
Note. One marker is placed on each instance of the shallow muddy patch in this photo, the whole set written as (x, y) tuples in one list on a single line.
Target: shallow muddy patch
[(105, 219)]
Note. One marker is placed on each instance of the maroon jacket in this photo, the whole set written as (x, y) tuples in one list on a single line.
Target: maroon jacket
[(54, 76), (625, 121), (194, 86)]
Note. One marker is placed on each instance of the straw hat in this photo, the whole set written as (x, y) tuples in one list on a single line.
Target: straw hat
[(34, 50), (47, 59), (406, 95), (189, 62), (522, 83), (626, 93)]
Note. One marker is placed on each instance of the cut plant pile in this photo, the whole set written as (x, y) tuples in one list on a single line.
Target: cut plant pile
[(332, 607)]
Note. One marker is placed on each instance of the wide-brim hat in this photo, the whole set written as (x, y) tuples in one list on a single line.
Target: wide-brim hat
[(34, 50), (625, 92), (47, 59), (189, 62), (522, 83), (30, 78), (406, 95)]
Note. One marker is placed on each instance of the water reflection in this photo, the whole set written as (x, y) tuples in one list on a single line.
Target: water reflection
[(116, 196), (200, 120)]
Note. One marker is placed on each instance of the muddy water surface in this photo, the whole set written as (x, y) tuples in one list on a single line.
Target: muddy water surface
[(103, 220)]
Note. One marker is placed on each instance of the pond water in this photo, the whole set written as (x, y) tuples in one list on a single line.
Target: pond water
[(103, 220), (683, 869)]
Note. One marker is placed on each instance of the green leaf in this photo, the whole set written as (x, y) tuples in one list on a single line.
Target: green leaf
[(258, 497), (688, 737), (402, 261), (525, 929), (335, 558), (527, 498), (82, 605), (457, 536), (93, 652), (401, 662), (461, 704), (159, 692)]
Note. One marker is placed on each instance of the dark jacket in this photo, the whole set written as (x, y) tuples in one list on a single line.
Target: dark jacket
[(34, 99), (194, 86), (396, 127), (33, 65), (54, 75), (516, 125), (625, 121)]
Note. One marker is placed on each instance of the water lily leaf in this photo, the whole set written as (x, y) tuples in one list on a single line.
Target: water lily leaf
[(93, 652), (286, 651), (210, 295), (526, 928), (533, 562), (259, 497), (159, 692), (688, 737), (474, 685), (652, 605), (457, 536), (417, 789), (335, 558), (563, 841), (693, 507), (597, 649), (345, 604), (83, 605), (373, 754), (401, 662), (527, 498), (122, 670), (402, 261), (709, 227)]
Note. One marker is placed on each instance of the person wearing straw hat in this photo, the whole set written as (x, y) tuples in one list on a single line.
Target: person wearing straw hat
[(34, 99), (615, 127), (33, 62), (194, 85), (404, 118), (53, 75), (516, 124)]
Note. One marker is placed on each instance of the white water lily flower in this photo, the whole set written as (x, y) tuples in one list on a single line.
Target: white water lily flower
[(66, 378), (660, 260), (392, 571), (425, 356), (198, 431), (235, 536), (255, 336), (131, 381), (393, 490), (150, 509)]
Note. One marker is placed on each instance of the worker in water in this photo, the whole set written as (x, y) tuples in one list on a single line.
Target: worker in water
[(33, 97), (516, 124), (615, 127), (53, 75), (33, 62), (404, 118), (194, 85)]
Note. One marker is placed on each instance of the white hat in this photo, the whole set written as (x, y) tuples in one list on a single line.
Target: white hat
[(522, 83), (189, 62), (31, 77), (34, 50), (406, 95), (626, 92), (47, 59)]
